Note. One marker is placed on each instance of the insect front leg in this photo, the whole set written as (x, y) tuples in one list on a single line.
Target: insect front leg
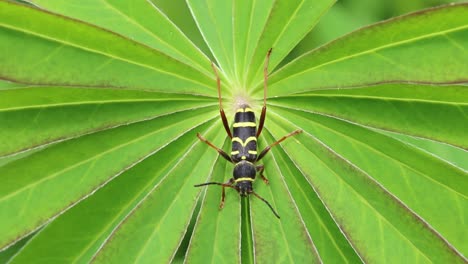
[(221, 110), (265, 81)]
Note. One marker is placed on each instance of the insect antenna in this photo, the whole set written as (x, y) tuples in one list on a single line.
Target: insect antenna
[(269, 205), (208, 183), (215, 183)]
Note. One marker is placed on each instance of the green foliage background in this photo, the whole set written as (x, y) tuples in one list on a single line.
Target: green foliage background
[(100, 103)]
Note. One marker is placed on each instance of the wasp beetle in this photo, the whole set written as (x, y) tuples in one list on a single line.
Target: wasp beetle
[(244, 137)]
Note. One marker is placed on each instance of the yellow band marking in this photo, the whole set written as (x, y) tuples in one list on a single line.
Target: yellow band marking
[(237, 139), (244, 124), (235, 152), (245, 161), (243, 157), (244, 110), (244, 179), (253, 152)]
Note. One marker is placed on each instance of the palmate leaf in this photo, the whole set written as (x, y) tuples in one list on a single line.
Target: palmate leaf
[(100, 106)]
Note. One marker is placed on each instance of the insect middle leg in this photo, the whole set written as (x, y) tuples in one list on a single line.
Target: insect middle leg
[(265, 151), (220, 151)]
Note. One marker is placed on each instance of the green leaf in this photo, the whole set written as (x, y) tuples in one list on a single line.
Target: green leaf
[(83, 169), (37, 116), (10, 252), (219, 38), (433, 112), (287, 24), (163, 212), (222, 226), (347, 173), (8, 85), (58, 42), (246, 30), (271, 235), (178, 12), (102, 213), (449, 153), (328, 240), (129, 18), (395, 51)]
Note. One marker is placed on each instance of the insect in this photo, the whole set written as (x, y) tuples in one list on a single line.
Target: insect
[(244, 145)]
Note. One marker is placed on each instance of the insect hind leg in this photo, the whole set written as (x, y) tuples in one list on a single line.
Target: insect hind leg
[(223, 185), (260, 169)]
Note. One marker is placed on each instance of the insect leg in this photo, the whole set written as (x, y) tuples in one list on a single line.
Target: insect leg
[(265, 151), (220, 151), (223, 194), (221, 110), (223, 185), (265, 79), (260, 169)]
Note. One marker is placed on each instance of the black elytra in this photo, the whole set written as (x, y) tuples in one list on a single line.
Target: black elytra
[(244, 136)]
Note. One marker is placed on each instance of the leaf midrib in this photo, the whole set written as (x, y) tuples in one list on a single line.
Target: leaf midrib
[(379, 98), (100, 102)]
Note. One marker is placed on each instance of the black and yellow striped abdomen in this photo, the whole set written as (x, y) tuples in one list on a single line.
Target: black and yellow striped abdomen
[(244, 141)]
